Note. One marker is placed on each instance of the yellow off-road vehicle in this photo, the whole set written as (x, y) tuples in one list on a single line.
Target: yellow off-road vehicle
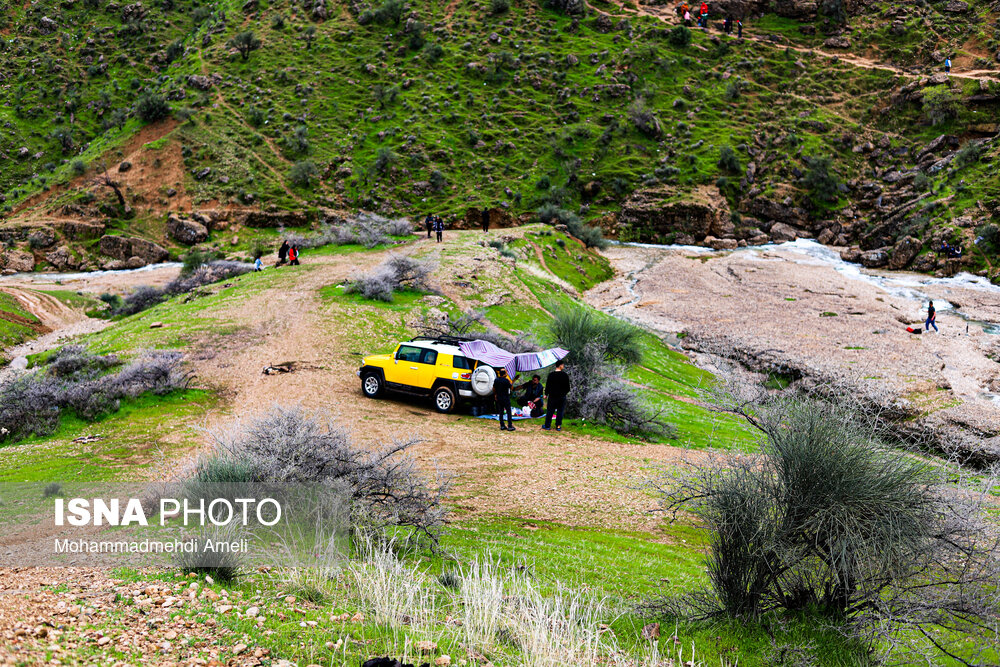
[(428, 366)]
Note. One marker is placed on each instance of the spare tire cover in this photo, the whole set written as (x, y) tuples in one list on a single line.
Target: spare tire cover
[(482, 380)]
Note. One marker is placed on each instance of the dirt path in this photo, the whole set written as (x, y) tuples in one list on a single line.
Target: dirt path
[(562, 477), (666, 14)]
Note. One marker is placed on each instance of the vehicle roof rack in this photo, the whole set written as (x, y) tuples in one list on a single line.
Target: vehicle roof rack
[(447, 340)]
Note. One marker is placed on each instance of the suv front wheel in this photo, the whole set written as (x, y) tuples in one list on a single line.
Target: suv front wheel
[(444, 399), (372, 385)]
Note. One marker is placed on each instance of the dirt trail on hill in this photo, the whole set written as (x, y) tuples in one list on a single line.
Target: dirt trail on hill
[(52, 312), (563, 477), (667, 14)]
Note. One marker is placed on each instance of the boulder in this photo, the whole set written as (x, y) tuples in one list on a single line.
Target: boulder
[(796, 9), (124, 166), (186, 231), (874, 259), (43, 237), (905, 250), (125, 248), (837, 43), (780, 232), (827, 236), (721, 244), (852, 254), (659, 213), (199, 81), (61, 258), (47, 26), (768, 210), (16, 261), (956, 7)]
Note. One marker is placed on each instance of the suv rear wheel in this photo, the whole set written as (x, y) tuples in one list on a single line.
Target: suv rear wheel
[(444, 399), (372, 385)]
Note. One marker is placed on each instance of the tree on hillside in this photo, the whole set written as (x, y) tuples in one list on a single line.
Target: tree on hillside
[(151, 107), (820, 180), (391, 10), (245, 43), (567, 6), (104, 179), (309, 35)]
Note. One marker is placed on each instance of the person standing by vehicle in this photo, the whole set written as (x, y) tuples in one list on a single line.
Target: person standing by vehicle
[(439, 228), (501, 394), (931, 318), (486, 220), (282, 253), (556, 390)]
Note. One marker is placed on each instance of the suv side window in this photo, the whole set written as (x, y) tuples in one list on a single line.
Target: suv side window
[(462, 362), (409, 353), (430, 357)]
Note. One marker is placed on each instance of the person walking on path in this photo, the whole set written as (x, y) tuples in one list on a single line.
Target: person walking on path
[(739, 28), (931, 318), (703, 22), (282, 253), (687, 19), (947, 65), (429, 223), (727, 25), (486, 220), (501, 395), (439, 228), (293, 256), (257, 264), (556, 390)]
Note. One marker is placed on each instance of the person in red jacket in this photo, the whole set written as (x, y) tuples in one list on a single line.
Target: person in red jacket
[(704, 15)]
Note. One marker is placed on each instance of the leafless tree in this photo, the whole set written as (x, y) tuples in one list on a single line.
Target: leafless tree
[(104, 179)]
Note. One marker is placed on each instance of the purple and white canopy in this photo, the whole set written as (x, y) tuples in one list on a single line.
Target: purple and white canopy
[(488, 353)]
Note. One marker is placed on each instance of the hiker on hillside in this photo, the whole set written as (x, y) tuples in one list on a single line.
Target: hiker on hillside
[(727, 25), (257, 264), (687, 18), (556, 390), (501, 395), (739, 28), (947, 65), (703, 13), (293, 256), (931, 317), (429, 223), (282, 252), (439, 228), (486, 220)]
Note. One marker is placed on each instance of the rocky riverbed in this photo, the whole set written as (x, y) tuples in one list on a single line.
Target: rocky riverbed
[(798, 310)]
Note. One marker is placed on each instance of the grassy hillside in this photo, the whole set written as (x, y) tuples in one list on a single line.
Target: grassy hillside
[(446, 107)]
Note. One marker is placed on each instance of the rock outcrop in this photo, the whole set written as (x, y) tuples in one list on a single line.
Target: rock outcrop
[(660, 214), (16, 261), (186, 231), (132, 250)]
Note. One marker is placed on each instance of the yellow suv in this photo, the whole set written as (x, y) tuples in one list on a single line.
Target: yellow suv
[(423, 366)]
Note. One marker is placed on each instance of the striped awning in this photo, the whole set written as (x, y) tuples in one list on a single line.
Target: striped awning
[(488, 353)]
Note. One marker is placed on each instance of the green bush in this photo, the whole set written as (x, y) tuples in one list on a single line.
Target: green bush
[(728, 160), (303, 173), (680, 36), (151, 107)]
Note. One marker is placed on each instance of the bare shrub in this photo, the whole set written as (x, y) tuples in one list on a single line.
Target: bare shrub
[(367, 229), (206, 274), (621, 408), (79, 382), (141, 298), (384, 484), (825, 517), (396, 273)]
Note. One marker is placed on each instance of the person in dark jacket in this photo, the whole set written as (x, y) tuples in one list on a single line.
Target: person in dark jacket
[(486, 220), (533, 391), (429, 223), (501, 394), (532, 396), (439, 228), (283, 253), (931, 317), (556, 390)]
